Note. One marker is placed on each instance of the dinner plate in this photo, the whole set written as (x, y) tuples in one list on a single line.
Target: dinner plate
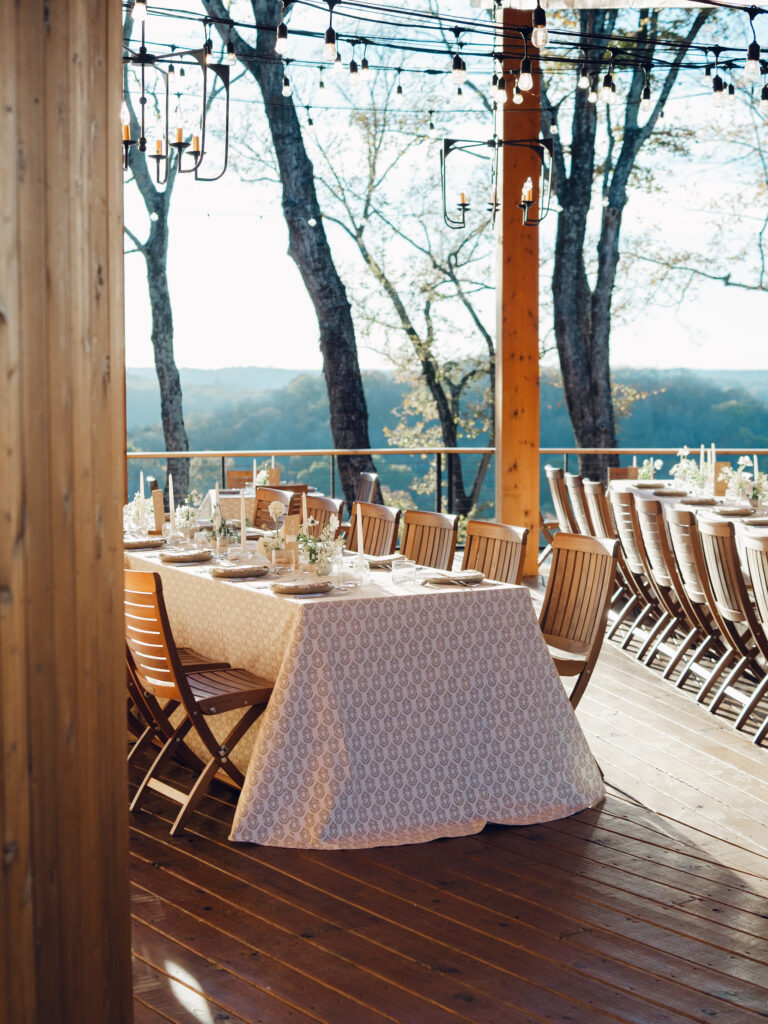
[(186, 557), (461, 577), (143, 542), (734, 510), (239, 572), (303, 587), (699, 502)]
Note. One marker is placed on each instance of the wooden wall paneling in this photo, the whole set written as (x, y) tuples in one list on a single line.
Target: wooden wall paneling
[(66, 927), (517, 324)]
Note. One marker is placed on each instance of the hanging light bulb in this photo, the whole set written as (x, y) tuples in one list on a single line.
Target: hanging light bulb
[(139, 11), (645, 102), (763, 104), (525, 78), (517, 96), (399, 97), (540, 36), (432, 131), (592, 97), (583, 82), (354, 74), (718, 94), (501, 89), (329, 48), (338, 66), (708, 75), (321, 83), (607, 88), (458, 69), (494, 85), (752, 66), (208, 49), (171, 73), (365, 70), (286, 90), (731, 92), (281, 39), (231, 55)]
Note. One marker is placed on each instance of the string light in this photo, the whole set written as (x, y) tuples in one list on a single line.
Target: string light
[(365, 70), (494, 85), (752, 65), (354, 74), (231, 55), (606, 90), (731, 92), (583, 82), (517, 96), (399, 97), (645, 102), (458, 69), (501, 89), (525, 78), (208, 48), (139, 11), (718, 94), (338, 65), (281, 39), (763, 105), (540, 36), (321, 83), (329, 46), (592, 97), (286, 90)]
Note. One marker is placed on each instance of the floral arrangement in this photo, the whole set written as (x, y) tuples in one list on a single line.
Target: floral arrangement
[(323, 549), (276, 540), (741, 484), (262, 478), (221, 527), (648, 469), (686, 472), (132, 519), (186, 515)]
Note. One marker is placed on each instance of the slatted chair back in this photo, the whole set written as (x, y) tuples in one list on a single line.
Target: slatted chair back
[(264, 498), (599, 509), (756, 552), (565, 519), (721, 558), (149, 638), (495, 549), (660, 561), (623, 505), (237, 479), (366, 487), (575, 609), (574, 486), (380, 527), (321, 509), (429, 538), (684, 538), (623, 473)]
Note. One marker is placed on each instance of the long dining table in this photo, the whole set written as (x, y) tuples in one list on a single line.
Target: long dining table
[(401, 713)]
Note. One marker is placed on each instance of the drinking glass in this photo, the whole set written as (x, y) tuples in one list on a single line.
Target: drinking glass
[(403, 571)]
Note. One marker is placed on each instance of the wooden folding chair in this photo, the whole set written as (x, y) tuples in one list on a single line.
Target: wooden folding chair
[(380, 526), (565, 519), (495, 549), (366, 492), (733, 612), (199, 695), (237, 479), (321, 509), (574, 486), (756, 550), (264, 498), (547, 529), (429, 538), (575, 610), (623, 473)]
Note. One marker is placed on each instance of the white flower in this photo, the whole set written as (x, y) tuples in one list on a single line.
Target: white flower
[(276, 509)]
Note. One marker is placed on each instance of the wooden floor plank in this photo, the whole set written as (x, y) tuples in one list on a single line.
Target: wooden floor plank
[(144, 1014)]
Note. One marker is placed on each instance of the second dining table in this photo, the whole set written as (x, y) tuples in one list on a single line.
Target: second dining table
[(401, 713)]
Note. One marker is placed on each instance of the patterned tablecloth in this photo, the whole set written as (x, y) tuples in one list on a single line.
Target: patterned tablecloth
[(400, 714)]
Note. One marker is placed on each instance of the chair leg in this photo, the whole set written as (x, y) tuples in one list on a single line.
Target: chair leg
[(750, 706), (645, 612), (169, 749), (545, 555), (675, 660), (726, 685), (758, 737), (713, 676), (653, 633), (693, 660), (667, 632), (622, 616)]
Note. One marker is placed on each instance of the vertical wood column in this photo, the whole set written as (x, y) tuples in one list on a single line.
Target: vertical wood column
[(517, 315), (64, 914)]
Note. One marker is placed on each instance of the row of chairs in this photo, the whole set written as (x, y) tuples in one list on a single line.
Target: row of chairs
[(684, 594)]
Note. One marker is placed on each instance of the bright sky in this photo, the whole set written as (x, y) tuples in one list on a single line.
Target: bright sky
[(238, 298)]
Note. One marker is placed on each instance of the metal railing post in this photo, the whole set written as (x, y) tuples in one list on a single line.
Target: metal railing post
[(565, 462), (333, 476), (438, 482), (223, 471)]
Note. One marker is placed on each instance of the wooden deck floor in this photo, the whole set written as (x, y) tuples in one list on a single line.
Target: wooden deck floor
[(650, 909)]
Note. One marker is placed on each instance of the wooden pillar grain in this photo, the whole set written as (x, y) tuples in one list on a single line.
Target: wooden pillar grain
[(64, 914), (517, 322)]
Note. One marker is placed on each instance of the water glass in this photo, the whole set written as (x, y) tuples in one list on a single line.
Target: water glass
[(403, 571)]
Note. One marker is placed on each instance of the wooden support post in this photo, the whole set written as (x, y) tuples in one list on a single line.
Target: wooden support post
[(517, 323), (64, 911)]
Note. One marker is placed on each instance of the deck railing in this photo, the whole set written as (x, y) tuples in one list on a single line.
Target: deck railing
[(442, 464)]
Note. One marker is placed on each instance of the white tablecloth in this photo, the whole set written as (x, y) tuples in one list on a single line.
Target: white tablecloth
[(399, 714)]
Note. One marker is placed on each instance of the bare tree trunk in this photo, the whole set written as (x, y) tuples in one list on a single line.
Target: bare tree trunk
[(308, 246), (155, 252)]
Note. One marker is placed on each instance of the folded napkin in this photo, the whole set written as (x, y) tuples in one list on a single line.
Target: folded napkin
[(141, 543), (734, 510), (461, 577), (670, 492), (699, 502), (381, 561), (239, 572), (317, 586), (187, 557)]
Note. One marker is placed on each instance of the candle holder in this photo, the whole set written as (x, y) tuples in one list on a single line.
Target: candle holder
[(127, 143)]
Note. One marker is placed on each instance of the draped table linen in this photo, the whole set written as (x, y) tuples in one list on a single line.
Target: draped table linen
[(400, 714)]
